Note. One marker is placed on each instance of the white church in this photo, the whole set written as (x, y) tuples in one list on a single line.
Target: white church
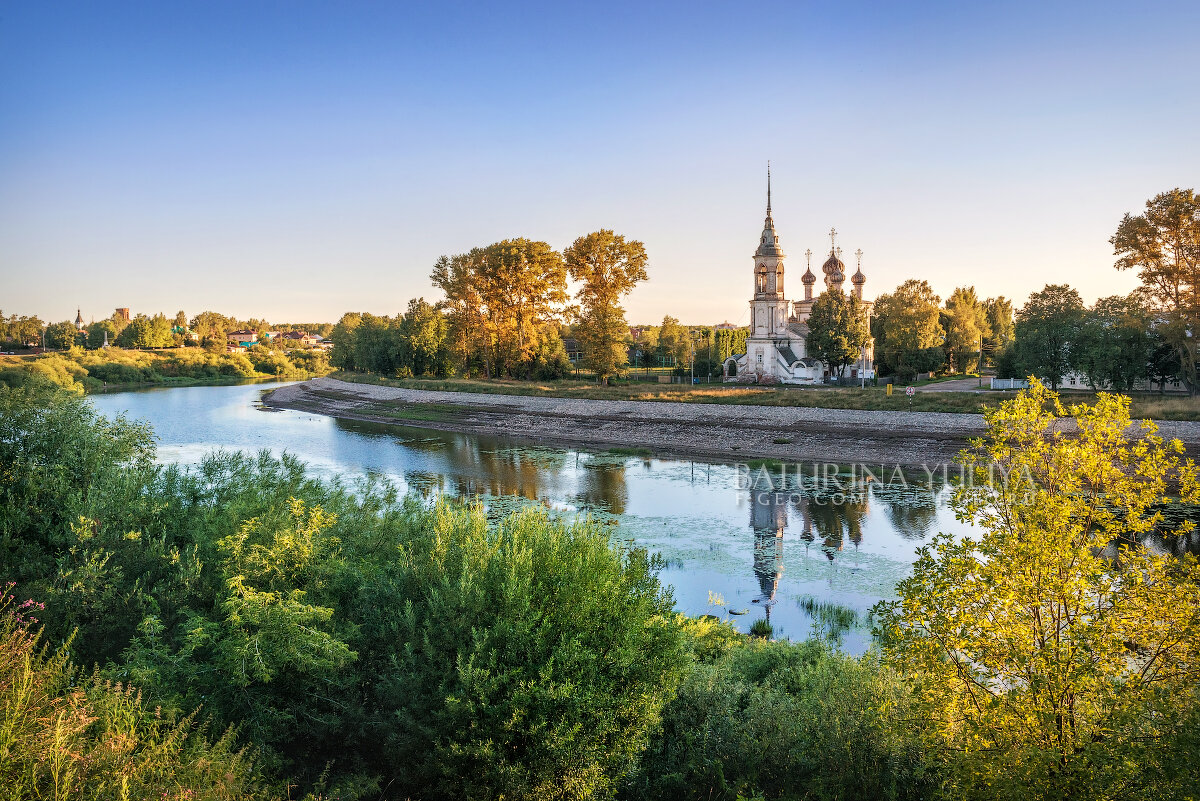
[(776, 348)]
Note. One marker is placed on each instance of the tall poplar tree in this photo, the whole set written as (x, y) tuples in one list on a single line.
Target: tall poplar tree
[(608, 267), (965, 321)]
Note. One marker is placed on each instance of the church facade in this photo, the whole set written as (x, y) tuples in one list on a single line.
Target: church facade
[(776, 347)]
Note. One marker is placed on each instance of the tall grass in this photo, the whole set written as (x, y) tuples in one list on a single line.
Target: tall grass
[(69, 736)]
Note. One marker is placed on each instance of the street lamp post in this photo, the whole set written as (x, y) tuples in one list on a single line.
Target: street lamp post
[(695, 335)]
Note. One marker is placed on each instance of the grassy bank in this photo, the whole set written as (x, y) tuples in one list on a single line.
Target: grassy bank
[(872, 398), (82, 371)]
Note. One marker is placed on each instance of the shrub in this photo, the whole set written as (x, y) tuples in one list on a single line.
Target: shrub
[(537, 660), (783, 721)]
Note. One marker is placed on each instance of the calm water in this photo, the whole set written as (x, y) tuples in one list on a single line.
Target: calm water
[(720, 528)]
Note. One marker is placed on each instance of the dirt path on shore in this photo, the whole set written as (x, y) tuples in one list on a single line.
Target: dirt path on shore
[(710, 430)]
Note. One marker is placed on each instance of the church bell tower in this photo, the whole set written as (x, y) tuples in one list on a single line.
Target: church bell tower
[(769, 308)]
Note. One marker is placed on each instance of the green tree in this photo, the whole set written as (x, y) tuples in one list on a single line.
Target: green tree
[(1047, 325), (999, 331), (60, 336), (25, 330), (1115, 343), (423, 334), (1053, 655), (146, 332), (908, 331), (727, 342), (1163, 245), (966, 325), (97, 331), (521, 284), (837, 330), (212, 327), (377, 345), (463, 307), (673, 341), (607, 267), (343, 335)]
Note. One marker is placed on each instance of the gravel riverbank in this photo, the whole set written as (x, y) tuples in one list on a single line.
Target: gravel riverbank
[(724, 432)]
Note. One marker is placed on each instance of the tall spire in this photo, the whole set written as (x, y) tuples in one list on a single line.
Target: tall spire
[(768, 188), (768, 243)]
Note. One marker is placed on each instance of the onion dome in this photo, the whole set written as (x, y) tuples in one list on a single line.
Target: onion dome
[(858, 279), (834, 269), (808, 278)]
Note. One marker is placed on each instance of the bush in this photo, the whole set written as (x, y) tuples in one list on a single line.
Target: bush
[(783, 721), (538, 659)]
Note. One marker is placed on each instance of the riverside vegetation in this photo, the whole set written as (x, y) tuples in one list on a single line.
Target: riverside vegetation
[(258, 633), (78, 370)]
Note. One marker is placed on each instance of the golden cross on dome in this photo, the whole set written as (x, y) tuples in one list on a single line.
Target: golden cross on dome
[(832, 239), (859, 254), (808, 257)]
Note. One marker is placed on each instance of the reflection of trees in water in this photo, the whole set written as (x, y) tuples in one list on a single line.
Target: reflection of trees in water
[(911, 508), (836, 514), (603, 485), (483, 468)]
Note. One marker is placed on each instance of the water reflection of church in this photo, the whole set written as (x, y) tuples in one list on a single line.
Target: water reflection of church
[(822, 523)]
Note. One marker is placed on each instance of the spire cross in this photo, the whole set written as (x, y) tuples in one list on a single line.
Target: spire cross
[(808, 257), (838, 251), (833, 239), (859, 254)]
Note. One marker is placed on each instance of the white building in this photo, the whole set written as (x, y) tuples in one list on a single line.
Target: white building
[(776, 348)]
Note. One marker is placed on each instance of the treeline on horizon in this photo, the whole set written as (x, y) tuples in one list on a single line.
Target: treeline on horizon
[(1119, 343), (506, 314), (152, 350), (239, 629), (142, 331)]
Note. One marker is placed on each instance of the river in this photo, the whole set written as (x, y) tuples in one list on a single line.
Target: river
[(734, 540)]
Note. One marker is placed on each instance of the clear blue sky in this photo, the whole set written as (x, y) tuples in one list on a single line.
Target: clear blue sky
[(294, 160)]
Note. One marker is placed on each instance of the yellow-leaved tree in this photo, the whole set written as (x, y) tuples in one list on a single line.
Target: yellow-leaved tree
[(1055, 654)]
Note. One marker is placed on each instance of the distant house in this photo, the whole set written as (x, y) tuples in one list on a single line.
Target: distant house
[(183, 331), (725, 326), (298, 339), (571, 346), (240, 339), (268, 335)]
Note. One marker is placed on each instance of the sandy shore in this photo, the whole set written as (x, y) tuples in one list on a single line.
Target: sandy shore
[(715, 431)]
